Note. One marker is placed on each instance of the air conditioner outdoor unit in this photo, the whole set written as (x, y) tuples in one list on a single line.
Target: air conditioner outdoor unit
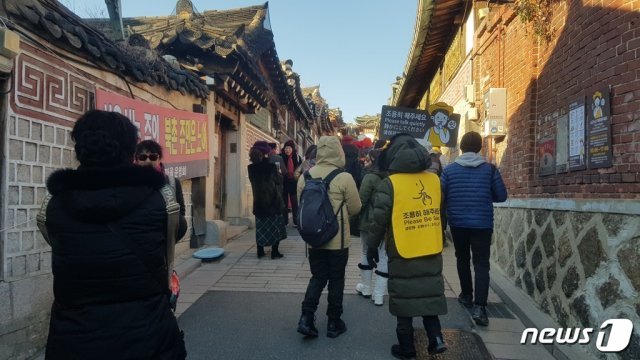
[(469, 94)]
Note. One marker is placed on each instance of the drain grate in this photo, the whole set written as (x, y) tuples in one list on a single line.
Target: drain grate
[(497, 311), (463, 345)]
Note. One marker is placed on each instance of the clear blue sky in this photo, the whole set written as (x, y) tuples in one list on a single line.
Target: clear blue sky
[(353, 49)]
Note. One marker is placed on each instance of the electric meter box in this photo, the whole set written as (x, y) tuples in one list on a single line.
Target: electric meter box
[(9, 43), (495, 105)]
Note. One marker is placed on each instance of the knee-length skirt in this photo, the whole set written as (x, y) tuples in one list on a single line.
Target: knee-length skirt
[(270, 230)]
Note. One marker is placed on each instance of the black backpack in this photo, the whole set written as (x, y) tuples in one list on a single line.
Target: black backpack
[(317, 223)]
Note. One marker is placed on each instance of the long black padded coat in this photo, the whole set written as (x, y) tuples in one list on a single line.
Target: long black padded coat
[(108, 303), (266, 184)]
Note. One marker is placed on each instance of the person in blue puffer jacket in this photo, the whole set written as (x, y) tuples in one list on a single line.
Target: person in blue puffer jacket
[(470, 186)]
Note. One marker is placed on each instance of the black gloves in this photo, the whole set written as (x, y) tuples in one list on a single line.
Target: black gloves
[(372, 256)]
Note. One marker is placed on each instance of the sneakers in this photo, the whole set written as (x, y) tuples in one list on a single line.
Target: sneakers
[(437, 345), (306, 325), (479, 315), (335, 327), (466, 300)]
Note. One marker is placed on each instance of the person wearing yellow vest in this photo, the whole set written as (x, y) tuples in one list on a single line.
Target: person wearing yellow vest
[(406, 214)]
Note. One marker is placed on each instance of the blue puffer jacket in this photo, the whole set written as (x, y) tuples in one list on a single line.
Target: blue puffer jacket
[(470, 186)]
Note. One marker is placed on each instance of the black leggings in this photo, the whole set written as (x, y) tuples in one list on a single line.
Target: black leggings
[(431, 325), (290, 192)]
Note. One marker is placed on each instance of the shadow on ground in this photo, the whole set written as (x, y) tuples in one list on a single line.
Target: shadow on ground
[(253, 325)]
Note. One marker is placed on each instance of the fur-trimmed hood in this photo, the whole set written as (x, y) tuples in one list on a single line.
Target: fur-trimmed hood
[(99, 194), (101, 178)]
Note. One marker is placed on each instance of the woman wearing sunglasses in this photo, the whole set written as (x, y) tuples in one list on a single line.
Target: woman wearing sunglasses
[(149, 153)]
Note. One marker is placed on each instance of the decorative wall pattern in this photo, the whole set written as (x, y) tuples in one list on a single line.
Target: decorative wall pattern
[(47, 89)]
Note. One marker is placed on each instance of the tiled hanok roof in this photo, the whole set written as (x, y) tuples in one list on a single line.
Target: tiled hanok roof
[(242, 34), (300, 102), (321, 107), (436, 23), (51, 20)]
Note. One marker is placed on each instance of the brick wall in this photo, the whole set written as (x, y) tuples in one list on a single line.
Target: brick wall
[(573, 251), (593, 46)]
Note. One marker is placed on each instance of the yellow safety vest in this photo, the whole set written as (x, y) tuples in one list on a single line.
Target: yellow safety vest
[(415, 220)]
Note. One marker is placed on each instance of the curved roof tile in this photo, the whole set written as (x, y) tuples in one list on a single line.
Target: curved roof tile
[(67, 30)]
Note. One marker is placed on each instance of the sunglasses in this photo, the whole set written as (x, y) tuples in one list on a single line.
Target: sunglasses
[(152, 157)]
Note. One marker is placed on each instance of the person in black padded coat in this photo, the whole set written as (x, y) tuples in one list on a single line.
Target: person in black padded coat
[(109, 303), (268, 207)]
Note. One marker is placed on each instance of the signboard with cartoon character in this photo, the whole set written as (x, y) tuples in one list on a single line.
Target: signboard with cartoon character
[(599, 126), (439, 125), (443, 124)]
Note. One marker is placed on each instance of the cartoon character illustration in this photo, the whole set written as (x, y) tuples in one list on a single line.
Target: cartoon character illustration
[(439, 134), (422, 195), (598, 103), (443, 124)]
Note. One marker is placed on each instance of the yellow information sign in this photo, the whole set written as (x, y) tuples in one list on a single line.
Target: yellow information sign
[(417, 228)]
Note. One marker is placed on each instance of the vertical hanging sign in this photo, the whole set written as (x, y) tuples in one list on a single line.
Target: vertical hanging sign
[(599, 126), (577, 144)]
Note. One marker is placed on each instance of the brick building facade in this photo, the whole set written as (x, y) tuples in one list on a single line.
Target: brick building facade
[(569, 236)]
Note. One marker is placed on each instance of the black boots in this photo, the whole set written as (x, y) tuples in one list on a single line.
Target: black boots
[(405, 348), (479, 315), (275, 254), (306, 325), (437, 345), (335, 327), (466, 300)]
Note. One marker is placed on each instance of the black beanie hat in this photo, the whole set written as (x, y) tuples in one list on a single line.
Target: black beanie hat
[(471, 142)]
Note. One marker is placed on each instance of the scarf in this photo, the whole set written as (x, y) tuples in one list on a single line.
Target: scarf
[(290, 168)]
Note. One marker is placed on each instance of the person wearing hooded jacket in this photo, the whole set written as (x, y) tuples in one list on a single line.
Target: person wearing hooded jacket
[(329, 261), (111, 300), (367, 287), (470, 186), (416, 285)]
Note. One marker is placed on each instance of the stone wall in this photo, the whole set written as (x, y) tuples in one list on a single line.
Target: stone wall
[(581, 268)]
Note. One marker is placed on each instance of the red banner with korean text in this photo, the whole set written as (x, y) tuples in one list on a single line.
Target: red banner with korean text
[(182, 134)]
